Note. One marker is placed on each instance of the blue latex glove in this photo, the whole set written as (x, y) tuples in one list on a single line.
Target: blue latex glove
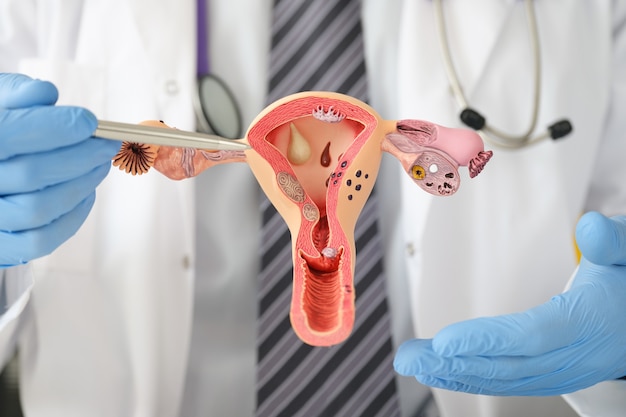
[(575, 340), (49, 168)]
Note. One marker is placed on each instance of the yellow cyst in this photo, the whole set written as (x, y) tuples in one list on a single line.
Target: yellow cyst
[(418, 172)]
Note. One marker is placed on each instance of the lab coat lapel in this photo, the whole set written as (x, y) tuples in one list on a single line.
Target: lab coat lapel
[(473, 41), (424, 86), (152, 17)]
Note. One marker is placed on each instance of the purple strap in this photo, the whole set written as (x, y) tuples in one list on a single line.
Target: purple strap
[(202, 65)]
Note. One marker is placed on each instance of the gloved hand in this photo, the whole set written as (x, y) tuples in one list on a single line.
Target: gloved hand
[(49, 168), (575, 340)]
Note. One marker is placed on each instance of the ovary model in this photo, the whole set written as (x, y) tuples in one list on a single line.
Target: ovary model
[(316, 156)]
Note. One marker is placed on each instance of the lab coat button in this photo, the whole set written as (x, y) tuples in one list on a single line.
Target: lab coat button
[(171, 87), (186, 262), (410, 249)]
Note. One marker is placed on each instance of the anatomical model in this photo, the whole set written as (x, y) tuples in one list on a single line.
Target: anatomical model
[(316, 156)]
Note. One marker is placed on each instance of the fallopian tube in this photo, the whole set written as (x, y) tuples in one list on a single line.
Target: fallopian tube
[(316, 156)]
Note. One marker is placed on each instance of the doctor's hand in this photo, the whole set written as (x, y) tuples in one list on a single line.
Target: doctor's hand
[(575, 340), (49, 168)]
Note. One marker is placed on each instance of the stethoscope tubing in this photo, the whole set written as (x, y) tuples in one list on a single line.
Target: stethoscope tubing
[(490, 134)]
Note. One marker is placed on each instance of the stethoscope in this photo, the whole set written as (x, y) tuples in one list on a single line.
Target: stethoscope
[(218, 113), (215, 105), (474, 119)]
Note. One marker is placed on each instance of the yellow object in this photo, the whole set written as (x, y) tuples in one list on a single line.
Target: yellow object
[(299, 150)]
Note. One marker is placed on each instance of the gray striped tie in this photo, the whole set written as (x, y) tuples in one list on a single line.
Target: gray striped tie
[(318, 45)]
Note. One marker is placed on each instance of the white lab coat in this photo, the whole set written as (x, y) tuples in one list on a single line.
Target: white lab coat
[(112, 308)]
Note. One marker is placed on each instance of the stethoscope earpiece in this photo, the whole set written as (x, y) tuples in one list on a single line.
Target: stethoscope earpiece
[(560, 129), (472, 118)]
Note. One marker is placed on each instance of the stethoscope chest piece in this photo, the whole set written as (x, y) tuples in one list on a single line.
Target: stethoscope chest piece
[(216, 108)]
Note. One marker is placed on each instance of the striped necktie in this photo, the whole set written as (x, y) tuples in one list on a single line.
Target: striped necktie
[(318, 45)]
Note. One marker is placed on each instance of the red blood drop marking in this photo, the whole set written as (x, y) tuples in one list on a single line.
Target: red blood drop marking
[(325, 158)]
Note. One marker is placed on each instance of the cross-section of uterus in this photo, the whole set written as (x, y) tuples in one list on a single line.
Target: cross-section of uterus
[(316, 156)]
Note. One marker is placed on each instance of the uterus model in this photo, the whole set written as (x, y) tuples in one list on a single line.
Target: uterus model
[(316, 156)]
